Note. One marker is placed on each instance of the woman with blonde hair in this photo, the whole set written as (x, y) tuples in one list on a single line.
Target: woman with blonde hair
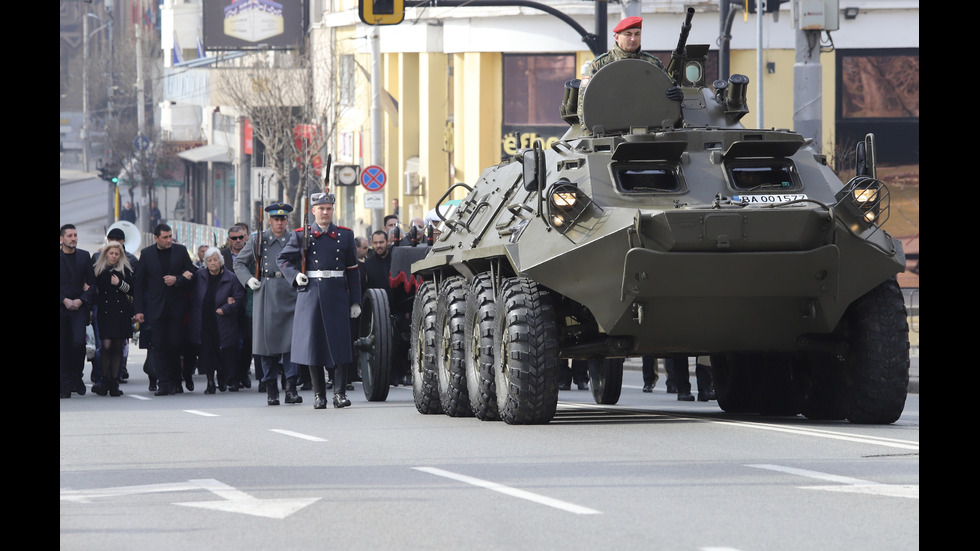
[(114, 286)]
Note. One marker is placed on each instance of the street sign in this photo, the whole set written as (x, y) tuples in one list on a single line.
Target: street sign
[(373, 178), (141, 143), (374, 200)]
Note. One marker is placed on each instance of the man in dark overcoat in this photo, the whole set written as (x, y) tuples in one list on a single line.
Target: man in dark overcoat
[(162, 280), (273, 305), (329, 293), (77, 293)]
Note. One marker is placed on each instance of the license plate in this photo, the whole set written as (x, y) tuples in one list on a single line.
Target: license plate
[(768, 198)]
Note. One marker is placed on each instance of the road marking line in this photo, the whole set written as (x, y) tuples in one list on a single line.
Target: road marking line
[(138, 396), (201, 413), (298, 435), (891, 443), (543, 500), (855, 485)]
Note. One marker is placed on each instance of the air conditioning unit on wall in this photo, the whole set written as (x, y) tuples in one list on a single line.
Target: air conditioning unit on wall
[(413, 183)]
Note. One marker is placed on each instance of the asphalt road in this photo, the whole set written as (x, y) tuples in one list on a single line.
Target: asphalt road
[(227, 471)]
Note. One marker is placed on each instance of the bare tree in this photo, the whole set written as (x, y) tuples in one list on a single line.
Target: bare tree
[(280, 93)]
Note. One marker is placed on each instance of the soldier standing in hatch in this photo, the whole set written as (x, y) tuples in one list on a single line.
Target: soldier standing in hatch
[(273, 305), (627, 37), (329, 293)]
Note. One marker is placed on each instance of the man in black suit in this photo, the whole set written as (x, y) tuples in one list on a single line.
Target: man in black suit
[(77, 292), (162, 278)]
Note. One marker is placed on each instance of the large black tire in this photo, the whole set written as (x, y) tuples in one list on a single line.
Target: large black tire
[(877, 367), (481, 312), (526, 360), (451, 348), (823, 373), (422, 351), (757, 382), (732, 386), (606, 380), (375, 345)]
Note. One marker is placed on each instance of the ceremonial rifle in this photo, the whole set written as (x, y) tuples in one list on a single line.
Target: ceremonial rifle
[(258, 234)]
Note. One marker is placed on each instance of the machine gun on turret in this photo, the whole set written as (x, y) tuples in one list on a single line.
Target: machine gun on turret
[(679, 55)]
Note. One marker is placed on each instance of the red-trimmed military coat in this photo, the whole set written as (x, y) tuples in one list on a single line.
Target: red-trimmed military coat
[(321, 322)]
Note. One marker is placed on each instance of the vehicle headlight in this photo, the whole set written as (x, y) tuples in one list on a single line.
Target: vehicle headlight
[(866, 199), (566, 204), (564, 198)]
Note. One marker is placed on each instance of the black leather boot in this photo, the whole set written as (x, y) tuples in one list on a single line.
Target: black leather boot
[(339, 398), (114, 387), (272, 392), (211, 388), (319, 387), (292, 397)]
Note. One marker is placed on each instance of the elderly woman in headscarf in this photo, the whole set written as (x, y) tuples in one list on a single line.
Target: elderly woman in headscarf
[(213, 323)]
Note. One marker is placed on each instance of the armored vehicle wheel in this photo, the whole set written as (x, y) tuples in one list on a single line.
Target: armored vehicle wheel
[(606, 379), (732, 385), (481, 311), (824, 378), (450, 347), (877, 366), (422, 351), (375, 344), (756, 382), (526, 362)]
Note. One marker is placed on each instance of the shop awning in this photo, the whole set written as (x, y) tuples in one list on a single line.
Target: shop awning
[(207, 154)]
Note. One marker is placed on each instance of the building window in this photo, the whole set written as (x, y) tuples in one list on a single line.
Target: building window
[(878, 93), (879, 84), (346, 72), (534, 86)]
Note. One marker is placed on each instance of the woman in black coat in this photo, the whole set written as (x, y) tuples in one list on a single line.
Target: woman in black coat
[(114, 284), (213, 321)]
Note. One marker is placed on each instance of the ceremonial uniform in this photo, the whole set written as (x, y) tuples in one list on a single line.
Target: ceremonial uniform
[(321, 332), (273, 305), (328, 292)]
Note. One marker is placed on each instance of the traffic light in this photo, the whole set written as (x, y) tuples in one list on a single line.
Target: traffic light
[(381, 12)]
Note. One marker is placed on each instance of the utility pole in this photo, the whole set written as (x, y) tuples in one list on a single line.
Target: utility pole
[(140, 122), (374, 37), (759, 64), (84, 133)]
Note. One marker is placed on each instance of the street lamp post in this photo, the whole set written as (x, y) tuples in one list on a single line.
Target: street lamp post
[(84, 135), (85, 115)]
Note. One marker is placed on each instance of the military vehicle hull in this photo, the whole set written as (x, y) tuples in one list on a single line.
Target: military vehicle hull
[(664, 228)]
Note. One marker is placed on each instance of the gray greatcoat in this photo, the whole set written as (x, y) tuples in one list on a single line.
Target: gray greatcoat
[(275, 301)]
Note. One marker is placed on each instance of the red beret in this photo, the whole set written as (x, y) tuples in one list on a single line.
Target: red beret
[(629, 23)]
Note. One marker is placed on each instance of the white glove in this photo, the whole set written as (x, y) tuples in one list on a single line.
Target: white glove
[(355, 310), (302, 280), (253, 284)]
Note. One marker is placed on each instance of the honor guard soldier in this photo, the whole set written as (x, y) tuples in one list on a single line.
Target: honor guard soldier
[(320, 260), (273, 304)]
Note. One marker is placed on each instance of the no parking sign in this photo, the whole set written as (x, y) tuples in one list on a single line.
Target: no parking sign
[(373, 178)]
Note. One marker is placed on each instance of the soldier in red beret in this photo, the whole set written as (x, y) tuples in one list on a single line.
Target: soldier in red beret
[(627, 37)]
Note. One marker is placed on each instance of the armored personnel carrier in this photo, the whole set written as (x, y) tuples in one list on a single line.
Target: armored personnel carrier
[(660, 227)]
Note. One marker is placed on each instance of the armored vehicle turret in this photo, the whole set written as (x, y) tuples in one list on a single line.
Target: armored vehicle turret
[(659, 227)]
